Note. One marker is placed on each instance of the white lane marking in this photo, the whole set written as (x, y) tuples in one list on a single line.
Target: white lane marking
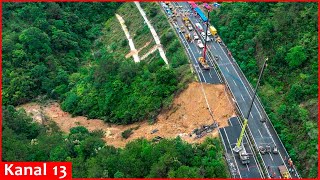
[(270, 156), (227, 69), (232, 152), (234, 82), (257, 109), (251, 115), (210, 75), (245, 87), (187, 45), (240, 109), (243, 98), (260, 133), (224, 145), (248, 167), (251, 148), (251, 97), (214, 47), (230, 122), (195, 66), (266, 127)]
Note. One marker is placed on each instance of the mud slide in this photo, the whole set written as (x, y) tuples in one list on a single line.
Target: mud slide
[(188, 112)]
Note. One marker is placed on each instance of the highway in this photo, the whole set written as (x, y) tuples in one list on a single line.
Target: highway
[(262, 133), (238, 170), (194, 52), (229, 136)]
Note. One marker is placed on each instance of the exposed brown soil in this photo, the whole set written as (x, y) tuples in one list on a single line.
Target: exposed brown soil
[(189, 111)]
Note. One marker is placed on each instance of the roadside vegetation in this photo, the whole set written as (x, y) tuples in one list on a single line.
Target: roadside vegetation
[(120, 91), (81, 62), (44, 43), (24, 140), (287, 34), (67, 52)]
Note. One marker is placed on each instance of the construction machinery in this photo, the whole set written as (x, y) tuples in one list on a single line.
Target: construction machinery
[(239, 148), (244, 156), (284, 172), (188, 37), (204, 63)]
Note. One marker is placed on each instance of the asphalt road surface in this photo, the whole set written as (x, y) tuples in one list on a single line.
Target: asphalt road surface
[(229, 136), (262, 133), (206, 76)]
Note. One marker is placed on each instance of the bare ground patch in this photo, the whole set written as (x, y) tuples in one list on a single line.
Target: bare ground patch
[(188, 112)]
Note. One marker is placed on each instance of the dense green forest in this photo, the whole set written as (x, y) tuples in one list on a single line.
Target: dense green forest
[(120, 91), (49, 52), (43, 43), (287, 34), (24, 140)]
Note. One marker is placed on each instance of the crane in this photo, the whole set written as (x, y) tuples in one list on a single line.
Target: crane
[(239, 148)]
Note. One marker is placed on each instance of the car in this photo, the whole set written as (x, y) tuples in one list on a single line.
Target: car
[(204, 36), (175, 24), (199, 43), (275, 150), (182, 29), (262, 150), (195, 36), (199, 27), (190, 27)]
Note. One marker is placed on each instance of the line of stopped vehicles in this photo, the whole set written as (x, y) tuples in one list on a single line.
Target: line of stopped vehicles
[(192, 36)]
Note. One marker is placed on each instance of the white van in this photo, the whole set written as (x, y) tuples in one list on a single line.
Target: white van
[(199, 27)]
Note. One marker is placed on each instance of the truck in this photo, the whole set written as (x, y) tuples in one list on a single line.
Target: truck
[(244, 156), (213, 30), (284, 172), (204, 63)]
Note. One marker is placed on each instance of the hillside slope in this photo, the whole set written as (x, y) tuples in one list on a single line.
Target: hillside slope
[(43, 43), (188, 112), (287, 34), (114, 88)]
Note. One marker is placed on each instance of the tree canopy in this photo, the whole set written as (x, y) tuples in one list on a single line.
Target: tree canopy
[(24, 140), (287, 34)]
